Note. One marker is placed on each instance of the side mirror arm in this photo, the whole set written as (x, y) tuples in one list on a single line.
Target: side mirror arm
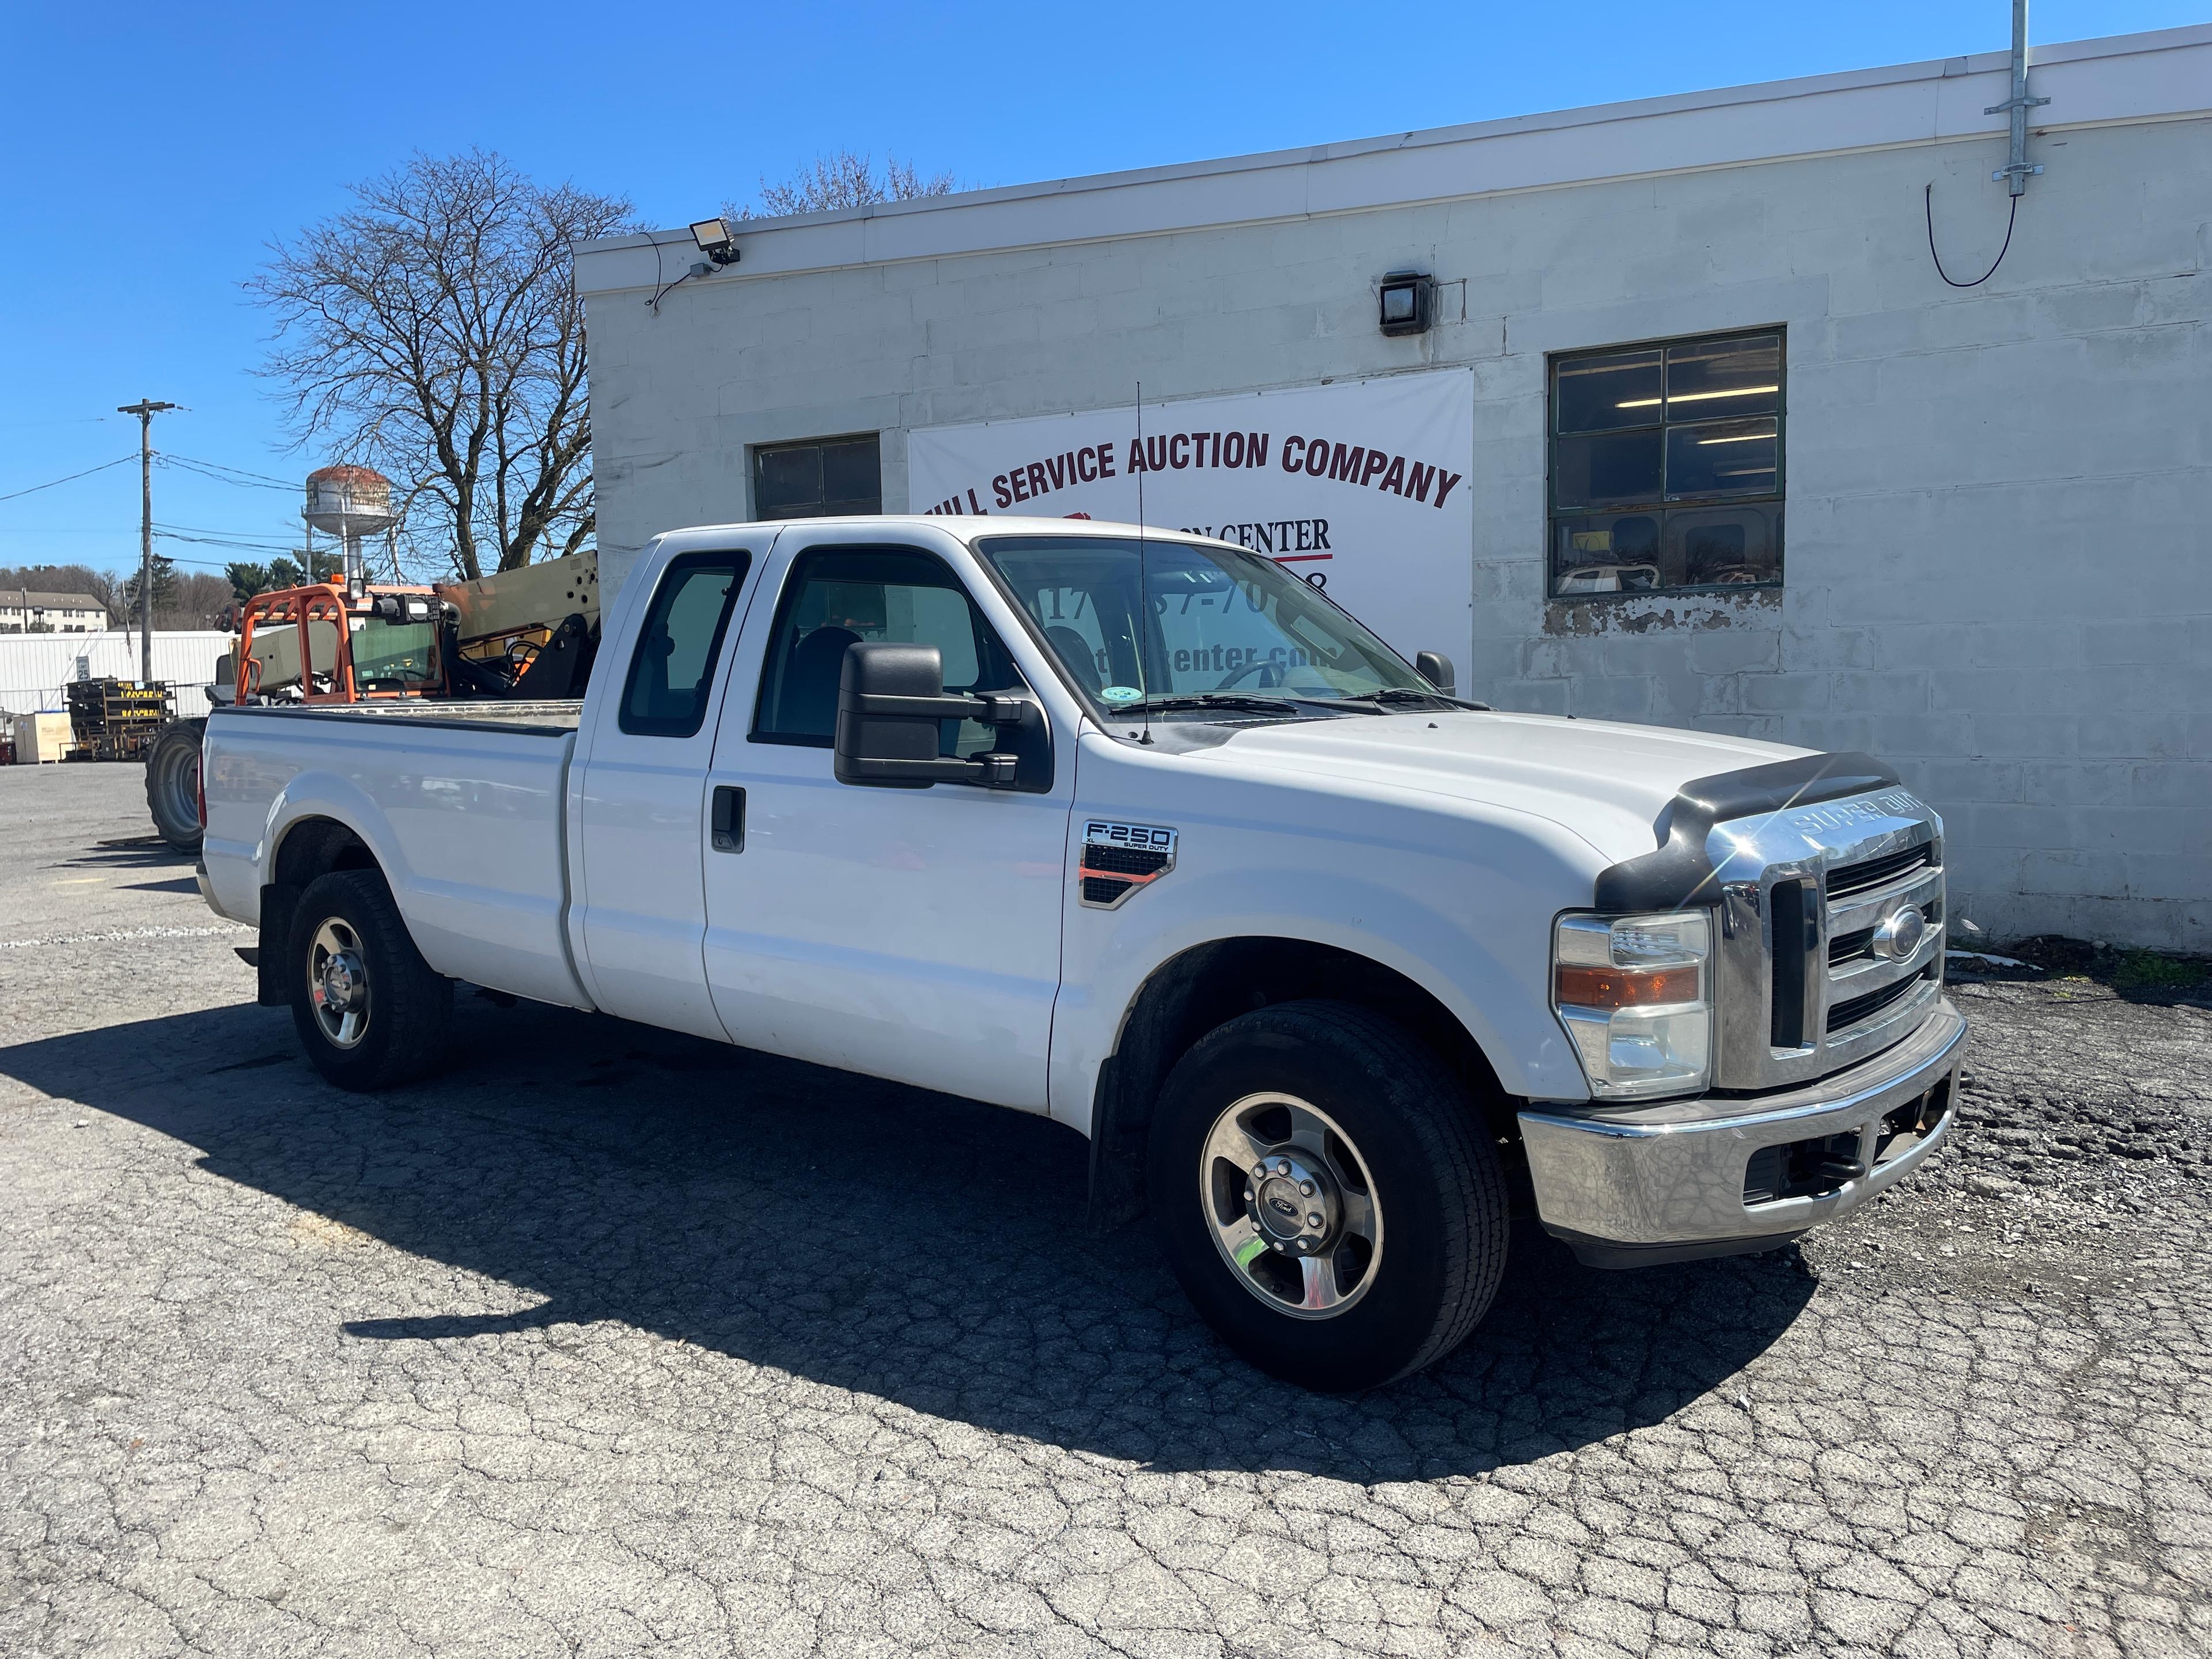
[(995, 770), (987, 710)]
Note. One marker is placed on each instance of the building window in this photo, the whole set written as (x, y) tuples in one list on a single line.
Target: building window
[(1666, 466), (822, 478)]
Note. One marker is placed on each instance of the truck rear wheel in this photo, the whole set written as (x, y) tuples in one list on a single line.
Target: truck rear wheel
[(370, 1011), (173, 783), (1327, 1195)]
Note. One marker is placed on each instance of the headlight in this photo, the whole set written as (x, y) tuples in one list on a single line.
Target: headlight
[(1635, 992)]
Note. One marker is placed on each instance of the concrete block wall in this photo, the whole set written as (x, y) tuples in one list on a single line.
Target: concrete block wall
[(1998, 550)]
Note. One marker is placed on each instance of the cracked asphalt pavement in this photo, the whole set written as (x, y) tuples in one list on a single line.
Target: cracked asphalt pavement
[(609, 1341)]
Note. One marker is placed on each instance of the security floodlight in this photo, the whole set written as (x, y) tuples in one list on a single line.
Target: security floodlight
[(1405, 303), (713, 236)]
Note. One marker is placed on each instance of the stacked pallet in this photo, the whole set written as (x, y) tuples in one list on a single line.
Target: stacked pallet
[(118, 719)]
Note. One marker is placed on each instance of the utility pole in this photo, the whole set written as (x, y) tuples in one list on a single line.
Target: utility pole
[(145, 408)]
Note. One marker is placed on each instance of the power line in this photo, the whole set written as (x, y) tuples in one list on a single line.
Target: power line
[(237, 546), (118, 461), (225, 466), (230, 475), (211, 529)]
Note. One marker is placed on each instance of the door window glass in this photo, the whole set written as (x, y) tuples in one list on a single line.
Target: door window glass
[(673, 670), (836, 598)]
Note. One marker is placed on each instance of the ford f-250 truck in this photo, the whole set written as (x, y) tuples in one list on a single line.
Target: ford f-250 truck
[(1145, 833)]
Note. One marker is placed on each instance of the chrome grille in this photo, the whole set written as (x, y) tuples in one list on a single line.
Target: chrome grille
[(1865, 878), (1804, 894), (1842, 1016)]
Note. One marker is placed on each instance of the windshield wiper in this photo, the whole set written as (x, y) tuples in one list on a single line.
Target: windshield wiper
[(1406, 693), (1241, 702)]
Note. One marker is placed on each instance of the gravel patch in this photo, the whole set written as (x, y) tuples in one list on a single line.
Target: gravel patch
[(610, 1342)]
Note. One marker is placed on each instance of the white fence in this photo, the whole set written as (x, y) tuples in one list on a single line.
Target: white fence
[(34, 668)]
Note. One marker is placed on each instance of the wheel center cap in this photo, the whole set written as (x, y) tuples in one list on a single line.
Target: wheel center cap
[(342, 982), (1282, 1208), (1292, 1201)]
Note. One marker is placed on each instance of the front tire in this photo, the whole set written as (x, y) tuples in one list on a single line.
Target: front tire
[(173, 784), (370, 1011), (1327, 1195)]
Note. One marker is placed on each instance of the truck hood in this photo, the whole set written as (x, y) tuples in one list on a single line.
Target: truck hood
[(1604, 780)]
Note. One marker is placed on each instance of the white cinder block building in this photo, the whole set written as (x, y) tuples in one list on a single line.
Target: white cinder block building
[(1737, 454)]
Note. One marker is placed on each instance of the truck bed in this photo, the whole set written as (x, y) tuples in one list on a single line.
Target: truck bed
[(461, 803)]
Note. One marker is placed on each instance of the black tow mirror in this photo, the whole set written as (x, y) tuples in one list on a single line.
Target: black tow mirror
[(1435, 668), (890, 700)]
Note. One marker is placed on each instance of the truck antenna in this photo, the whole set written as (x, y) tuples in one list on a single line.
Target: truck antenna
[(1144, 592)]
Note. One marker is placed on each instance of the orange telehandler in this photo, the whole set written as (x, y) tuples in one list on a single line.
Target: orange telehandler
[(528, 633)]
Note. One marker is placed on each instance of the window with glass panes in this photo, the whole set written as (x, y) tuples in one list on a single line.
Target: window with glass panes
[(824, 478), (1666, 466)]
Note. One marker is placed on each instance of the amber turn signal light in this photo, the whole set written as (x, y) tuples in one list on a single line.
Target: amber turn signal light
[(1585, 987)]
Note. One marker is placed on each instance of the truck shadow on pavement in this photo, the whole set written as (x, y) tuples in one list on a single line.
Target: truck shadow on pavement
[(870, 1237)]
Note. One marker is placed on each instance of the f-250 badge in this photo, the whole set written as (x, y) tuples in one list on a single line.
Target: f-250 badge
[(1119, 858)]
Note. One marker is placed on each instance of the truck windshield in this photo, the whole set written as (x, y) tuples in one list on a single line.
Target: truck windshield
[(393, 654), (1215, 621)]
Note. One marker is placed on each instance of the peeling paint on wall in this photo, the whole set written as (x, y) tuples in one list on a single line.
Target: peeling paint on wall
[(1660, 613)]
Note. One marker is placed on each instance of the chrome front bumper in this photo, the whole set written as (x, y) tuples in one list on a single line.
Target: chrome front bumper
[(1631, 1185)]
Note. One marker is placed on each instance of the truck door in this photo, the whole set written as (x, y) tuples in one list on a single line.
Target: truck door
[(906, 932), (637, 793)]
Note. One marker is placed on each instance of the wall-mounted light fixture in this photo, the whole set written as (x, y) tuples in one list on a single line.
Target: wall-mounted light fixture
[(715, 241), (1404, 303)]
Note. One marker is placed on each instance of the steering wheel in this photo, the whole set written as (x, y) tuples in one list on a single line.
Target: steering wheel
[(1262, 667)]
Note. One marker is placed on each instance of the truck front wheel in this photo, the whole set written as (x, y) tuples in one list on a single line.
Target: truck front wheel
[(370, 1011), (1327, 1195)]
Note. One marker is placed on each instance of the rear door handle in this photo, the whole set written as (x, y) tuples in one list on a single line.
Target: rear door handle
[(728, 819)]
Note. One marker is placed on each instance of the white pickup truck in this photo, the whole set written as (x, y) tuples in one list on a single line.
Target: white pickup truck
[(1145, 833)]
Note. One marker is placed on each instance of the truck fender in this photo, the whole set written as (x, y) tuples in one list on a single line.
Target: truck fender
[(305, 799), (1505, 1014)]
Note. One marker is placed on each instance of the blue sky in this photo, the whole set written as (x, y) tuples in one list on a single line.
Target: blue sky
[(153, 152)]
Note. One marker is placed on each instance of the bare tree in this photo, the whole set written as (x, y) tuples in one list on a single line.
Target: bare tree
[(847, 179), (432, 331)]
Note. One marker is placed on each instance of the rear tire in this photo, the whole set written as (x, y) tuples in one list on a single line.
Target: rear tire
[(370, 1011), (1379, 1246), (173, 784)]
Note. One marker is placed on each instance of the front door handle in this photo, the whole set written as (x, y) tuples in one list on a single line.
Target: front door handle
[(727, 822)]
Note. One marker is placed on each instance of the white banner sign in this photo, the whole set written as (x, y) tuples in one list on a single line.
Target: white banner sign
[(1361, 487)]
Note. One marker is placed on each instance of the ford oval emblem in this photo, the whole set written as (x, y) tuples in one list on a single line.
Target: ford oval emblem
[(1900, 933)]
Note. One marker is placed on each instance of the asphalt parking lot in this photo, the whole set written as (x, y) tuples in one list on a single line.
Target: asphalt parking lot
[(609, 1341)]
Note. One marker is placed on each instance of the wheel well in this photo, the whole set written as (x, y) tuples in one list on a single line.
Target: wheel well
[(1211, 984), (315, 847), (310, 847)]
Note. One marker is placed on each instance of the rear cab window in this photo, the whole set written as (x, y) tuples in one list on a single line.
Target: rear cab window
[(671, 673)]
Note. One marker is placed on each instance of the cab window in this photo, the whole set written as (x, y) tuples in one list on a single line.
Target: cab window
[(672, 671), (836, 598)]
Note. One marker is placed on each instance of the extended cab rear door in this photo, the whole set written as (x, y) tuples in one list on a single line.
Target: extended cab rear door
[(637, 792), (908, 932)]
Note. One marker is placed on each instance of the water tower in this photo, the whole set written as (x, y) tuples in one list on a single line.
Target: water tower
[(350, 502)]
